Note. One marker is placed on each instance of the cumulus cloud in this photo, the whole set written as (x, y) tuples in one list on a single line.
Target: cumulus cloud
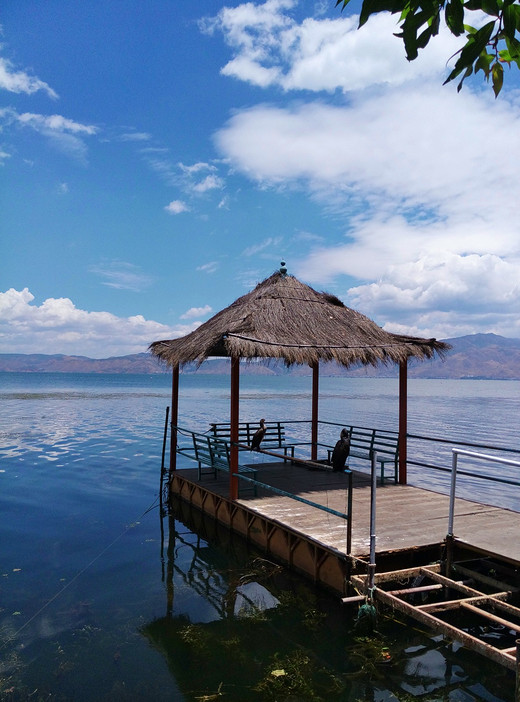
[(195, 312), (21, 82), (409, 186), (177, 207), (58, 326), (122, 275), (271, 48), (446, 281)]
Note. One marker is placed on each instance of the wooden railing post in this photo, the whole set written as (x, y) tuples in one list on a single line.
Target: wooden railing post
[(174, 418), (403, 420), (233, 435), (315, 402)]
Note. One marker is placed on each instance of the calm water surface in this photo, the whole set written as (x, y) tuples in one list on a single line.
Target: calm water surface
[(101, 599)]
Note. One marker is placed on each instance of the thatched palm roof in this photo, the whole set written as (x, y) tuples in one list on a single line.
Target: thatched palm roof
[(284, 318)]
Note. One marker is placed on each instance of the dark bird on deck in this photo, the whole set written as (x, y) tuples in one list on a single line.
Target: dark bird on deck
[(341, 452), (258, 436)]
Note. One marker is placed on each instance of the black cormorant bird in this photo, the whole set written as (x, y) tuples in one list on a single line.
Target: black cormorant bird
[(258, 436), (341, 452)]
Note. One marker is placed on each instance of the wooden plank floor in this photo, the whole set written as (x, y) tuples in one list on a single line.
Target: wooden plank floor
[(406, 516)]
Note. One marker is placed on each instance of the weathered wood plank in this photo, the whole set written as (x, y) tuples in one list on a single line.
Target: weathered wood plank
[(407, 516)]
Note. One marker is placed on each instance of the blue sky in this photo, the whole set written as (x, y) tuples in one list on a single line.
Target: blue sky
[(159, 159)]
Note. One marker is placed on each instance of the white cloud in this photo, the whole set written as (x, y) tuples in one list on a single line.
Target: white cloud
[(210, 182), (56, 123), (58, 326), (210, 267), (20, 82), (411, 187), (195, 312), (446, 281), (65, 134), (196, 168), (122, 276), (177, 207), (272, 243), (135, 136), (272, 48)]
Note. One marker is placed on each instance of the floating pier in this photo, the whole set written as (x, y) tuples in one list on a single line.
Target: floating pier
[(417, 570)]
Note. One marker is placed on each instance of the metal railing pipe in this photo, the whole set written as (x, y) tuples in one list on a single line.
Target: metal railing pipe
[(373, 489), (470, 454)]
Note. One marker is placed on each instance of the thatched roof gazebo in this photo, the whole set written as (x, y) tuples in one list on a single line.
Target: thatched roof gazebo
[(285, 319)]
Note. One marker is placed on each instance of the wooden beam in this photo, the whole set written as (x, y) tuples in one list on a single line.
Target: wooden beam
[(234, 417), (174, 418), (447, 629), (315, 401), (403, 420), (490, 615)]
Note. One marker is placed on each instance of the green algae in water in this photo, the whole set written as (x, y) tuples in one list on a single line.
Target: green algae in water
[(228, 625)]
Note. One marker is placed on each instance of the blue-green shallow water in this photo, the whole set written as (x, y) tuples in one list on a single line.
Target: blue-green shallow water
[(86, 609)]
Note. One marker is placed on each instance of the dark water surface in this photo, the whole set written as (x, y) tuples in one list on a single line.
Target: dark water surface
[(101, 599)]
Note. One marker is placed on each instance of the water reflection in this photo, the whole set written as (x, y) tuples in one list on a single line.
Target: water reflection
[(80, 463), (257, 632)]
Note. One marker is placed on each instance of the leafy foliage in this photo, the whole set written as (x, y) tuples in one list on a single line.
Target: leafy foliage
[(487, 49)]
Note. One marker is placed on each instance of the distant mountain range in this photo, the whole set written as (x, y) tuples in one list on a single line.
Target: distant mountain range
[(478, 356)]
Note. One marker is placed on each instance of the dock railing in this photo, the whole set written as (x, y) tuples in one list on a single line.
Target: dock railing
[(347, 516), (477, 456), (185, 448), (427, 454)]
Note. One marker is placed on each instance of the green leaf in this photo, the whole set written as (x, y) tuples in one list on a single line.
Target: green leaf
[(484, 62), (497, 73), (490, 7), (511, 20), (454, 14), (469, 71), (513, 46), (423, 39), (372, 7), (413, 22), (476, 44)]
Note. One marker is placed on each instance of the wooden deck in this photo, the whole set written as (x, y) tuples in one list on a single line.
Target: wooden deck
[(407, 517)]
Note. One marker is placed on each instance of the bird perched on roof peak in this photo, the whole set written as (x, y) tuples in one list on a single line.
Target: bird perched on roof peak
[(258, 436)]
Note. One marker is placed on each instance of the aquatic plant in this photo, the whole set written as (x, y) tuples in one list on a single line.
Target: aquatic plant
[(295, 676)]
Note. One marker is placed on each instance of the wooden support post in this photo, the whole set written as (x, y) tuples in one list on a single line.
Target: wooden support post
[(315, 396), (234, 416), (175, 416), (517, 688), (403, 420), (169, 565), (163, 472)]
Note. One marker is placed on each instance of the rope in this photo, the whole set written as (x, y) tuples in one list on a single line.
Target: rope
[(318, 346)]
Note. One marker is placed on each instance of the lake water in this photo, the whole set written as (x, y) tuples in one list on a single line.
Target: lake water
[(101, 599)]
